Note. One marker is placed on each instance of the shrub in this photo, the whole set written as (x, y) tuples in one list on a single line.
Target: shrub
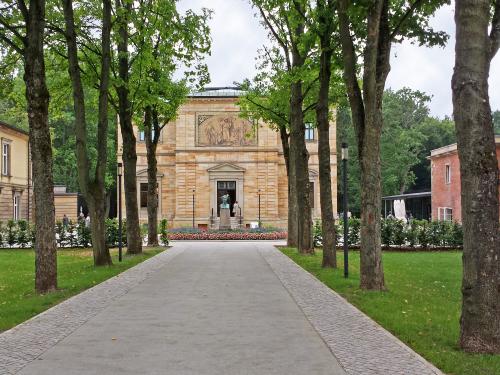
[(423, 233), (11, 233), (317, 234), (1, 234), (399, 234), (60, 234), (22, 233), (411, 233), (386, 231), (354, 231), (72, 234), (164, 232), (83, 235), (111, 232)]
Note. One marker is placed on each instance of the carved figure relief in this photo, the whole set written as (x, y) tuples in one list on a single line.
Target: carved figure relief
[(224, 129)]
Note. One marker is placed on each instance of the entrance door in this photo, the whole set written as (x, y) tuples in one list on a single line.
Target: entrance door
[(226, 187)]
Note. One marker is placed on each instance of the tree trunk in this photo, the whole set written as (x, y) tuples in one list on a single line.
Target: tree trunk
[(480, 320), (371, 270), (93, 190), (97, 208), (366, 109), (299, 170), (151, 144), (292, 199), (325, 173), (129, 154), (37, 97)]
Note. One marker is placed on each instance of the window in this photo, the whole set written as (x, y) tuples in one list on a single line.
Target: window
[(142, 135), (17, 207), (311, 194), (309, 132), (5, 158), (144, 195), (447, 174), (445, 214)]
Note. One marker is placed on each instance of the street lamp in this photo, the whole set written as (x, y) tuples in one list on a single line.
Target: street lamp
[(193, 207), (119, 212), (346, 224), (258, 192)]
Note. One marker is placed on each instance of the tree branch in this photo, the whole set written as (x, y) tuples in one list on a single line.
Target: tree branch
[(280, 41), (407, 14), (11, 43), (277, 114), (24, 10)]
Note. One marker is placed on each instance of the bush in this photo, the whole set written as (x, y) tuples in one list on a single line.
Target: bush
[(399, 233), (83, 235), (354, 231), (164, 232), (111, 232), (22, 233), (411, 233), (386, 231), (1, 234), (11, 233), (72, 234), (317, 234)]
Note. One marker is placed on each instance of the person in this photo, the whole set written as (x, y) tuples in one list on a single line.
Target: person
[(81, 217), (65, 221), (390, 216), (236, 209), (87, 221)]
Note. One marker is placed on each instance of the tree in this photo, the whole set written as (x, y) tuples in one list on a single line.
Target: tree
[(93, 188), (372, 27), (285, 21), (267, 99), (165, 39), (324, 29), (474, 50), (124, 14), (22, 31)]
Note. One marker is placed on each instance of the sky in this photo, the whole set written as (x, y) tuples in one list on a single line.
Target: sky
[(237, 35)]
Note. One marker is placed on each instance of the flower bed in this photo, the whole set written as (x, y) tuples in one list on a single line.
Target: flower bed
[(236, 235)]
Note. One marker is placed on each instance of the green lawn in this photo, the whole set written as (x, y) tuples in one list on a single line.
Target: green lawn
[(421, 307), (19, 302)]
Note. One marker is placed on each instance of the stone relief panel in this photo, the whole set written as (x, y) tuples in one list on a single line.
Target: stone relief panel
[(224, 130)]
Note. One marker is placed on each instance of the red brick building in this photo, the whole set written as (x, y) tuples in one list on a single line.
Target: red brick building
[(445, 182)]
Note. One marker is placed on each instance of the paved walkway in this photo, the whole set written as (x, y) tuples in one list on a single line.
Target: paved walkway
[(207, 308)]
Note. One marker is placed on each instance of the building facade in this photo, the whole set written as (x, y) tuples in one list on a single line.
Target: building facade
[(445, 182), (15, 183), (209, 151)]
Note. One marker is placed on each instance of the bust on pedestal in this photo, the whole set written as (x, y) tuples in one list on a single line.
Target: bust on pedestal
[(225, 214)]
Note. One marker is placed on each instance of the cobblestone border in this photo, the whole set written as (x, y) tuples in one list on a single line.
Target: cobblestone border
[(27, 341), (361, 345)]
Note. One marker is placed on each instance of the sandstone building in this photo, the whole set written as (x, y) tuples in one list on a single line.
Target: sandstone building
[(15, 183), (208, 151)]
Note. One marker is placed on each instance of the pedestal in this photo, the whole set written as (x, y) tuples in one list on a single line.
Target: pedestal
[(225, 219)]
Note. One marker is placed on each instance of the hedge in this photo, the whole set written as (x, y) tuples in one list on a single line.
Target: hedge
[(398, 233)]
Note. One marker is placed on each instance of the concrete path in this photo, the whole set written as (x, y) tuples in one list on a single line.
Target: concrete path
[(214, 308)]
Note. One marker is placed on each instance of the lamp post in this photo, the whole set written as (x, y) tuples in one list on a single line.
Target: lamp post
[(119, 212), (258, 192), (193, 207), (346, 223)]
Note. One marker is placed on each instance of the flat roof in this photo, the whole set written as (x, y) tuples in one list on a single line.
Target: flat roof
[(422, 194), (453, 147), (218, 92), (14, 128)]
